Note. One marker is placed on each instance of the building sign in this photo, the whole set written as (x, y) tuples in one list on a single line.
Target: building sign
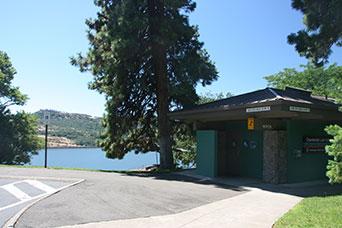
[(259, 109), (46, 117), (250, 123), (315, 144), (299, 109), (252, 145)]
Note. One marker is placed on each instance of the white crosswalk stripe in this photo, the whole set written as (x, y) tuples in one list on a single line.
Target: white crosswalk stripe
[(16, 192), (21, 195), (40, 185)]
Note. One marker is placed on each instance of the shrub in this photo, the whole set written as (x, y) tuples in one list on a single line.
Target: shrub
[(334, 168)]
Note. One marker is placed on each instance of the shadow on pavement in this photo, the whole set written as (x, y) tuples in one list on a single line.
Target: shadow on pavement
[(183, 178), (319, 189), (307, 189)]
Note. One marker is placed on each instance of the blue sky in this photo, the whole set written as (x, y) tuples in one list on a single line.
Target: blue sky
[(246, 39)]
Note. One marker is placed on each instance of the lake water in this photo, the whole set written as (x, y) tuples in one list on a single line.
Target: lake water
[(93, 158)]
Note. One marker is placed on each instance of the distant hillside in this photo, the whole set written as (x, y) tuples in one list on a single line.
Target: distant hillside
[(70, 129)]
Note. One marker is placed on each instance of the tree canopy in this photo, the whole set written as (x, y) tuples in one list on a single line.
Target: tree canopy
[(9, 94), (323, 22), (18, 132), (322, 81), (210, 97), (146, 59)]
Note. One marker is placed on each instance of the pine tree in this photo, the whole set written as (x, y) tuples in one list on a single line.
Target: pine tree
[(147, 60), (323, 29)]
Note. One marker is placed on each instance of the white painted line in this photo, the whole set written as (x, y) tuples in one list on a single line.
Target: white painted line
[(16, 192), (16, 182), (40, 185), (21, 202), (22, 196), (41, 196), (12, 221)]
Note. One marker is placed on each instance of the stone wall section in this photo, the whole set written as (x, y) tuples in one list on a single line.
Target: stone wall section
[(274, 157)]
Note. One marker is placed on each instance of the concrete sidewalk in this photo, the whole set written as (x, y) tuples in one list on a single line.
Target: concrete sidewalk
[(257, 208)]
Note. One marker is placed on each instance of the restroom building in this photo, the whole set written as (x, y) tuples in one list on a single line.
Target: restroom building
[(270, 134)]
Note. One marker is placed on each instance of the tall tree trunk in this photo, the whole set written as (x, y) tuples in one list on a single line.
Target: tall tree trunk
[(156, 14)]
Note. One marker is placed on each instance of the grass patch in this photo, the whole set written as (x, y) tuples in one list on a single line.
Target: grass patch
[(323, 211)]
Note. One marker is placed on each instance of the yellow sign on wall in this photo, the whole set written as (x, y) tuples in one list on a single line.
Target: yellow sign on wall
[(250, 123)]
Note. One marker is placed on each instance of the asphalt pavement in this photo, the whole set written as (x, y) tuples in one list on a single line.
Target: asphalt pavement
[(18, 192), (112, 196)]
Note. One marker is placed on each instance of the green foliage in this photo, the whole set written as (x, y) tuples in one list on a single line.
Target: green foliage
[(83, 129), (210, 97), (18, 138), (131, 45), (335, 151), (9, 94), (322, 81), (184, 146), (18, 132), (323, 22)]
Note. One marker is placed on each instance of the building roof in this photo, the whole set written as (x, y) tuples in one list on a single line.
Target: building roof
[(269, 96)]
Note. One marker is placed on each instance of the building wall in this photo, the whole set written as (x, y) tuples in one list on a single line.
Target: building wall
[(300, 166), (305, 166), (206, 158), (249, 145)]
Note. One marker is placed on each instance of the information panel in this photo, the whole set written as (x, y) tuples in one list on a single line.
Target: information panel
[(315, 144)]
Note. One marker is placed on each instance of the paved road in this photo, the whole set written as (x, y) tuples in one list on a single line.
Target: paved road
[(255, 209), (112, 196), (16, 193)]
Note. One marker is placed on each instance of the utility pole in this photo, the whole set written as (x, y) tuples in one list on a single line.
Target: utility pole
[(46, 121), (46, 142)]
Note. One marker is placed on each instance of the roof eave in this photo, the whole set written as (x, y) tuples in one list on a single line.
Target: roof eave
[(182, 114)]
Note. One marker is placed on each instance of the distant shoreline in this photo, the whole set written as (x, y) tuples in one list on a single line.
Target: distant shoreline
[(79, 147)]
